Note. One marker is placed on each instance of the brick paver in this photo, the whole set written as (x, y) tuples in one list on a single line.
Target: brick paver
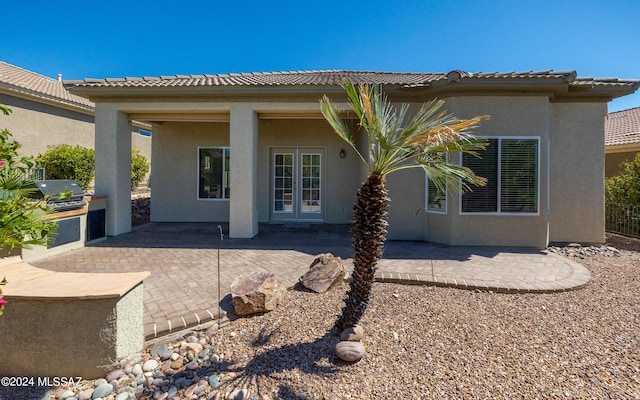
[(182, 290)]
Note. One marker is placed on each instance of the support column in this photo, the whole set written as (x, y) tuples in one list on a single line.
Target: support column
[(243, 205), (113, 166)]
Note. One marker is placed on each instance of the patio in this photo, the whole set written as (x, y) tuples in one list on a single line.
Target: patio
[(182, 290)]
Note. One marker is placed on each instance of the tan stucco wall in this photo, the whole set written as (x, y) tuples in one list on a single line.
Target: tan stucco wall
[(613, 161), (577, 181), (341, 175), (573, 132), (510, 116), (174, 181), (36, 126), (175, 178)]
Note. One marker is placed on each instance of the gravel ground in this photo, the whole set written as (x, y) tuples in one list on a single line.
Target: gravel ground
[(428, 343)]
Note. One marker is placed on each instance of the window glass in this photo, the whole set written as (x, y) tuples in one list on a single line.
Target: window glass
[(511, 168), (436, 198), (213, 174)]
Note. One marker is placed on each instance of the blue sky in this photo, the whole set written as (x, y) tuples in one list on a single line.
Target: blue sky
[(98, 39)]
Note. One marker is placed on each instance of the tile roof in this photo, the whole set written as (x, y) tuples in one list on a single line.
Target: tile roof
[(335, 77), (19, 80), (288, 78), (622, 127)]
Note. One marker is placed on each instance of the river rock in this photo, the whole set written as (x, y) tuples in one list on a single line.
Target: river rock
[(352, 334), (103, 390), (350, 351), (150, 365)]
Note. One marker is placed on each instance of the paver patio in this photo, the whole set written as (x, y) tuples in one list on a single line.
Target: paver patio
[(182, 290)]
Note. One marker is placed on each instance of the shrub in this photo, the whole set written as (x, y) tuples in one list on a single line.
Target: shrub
[(625, 187), (22, 221), (69, 162), (139, 168)]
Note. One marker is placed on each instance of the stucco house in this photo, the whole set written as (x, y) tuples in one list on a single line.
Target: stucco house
[(44, 114), (254, 148), (622, 139)]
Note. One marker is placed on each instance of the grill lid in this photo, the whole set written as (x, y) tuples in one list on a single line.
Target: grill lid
[(54, 187)]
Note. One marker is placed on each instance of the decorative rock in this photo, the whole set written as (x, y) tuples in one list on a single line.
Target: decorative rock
[(256, 292), (65, 395), (115, 374), (172, 392), (350, 351), (352, 334), (161, 351), (190, 390), (196, 347), (324, 272), (191, 339), (85, 394), (123, 396), (177, 364), (213, 381), (99, 382), (103, 390), (150, 365), (136, 370), (192, 365)]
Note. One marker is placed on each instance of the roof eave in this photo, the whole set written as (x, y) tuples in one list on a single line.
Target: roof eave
[(45, 99)]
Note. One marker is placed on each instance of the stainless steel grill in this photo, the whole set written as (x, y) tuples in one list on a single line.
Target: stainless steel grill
[(52, 189)]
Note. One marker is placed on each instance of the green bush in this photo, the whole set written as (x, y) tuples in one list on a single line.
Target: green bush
[(76, 162), (139, 168), (69, 162), (625, 187)]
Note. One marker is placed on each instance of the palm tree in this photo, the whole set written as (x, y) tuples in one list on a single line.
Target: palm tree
[(395, 142)]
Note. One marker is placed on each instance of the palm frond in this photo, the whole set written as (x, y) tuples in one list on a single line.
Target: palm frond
[(397, 142)]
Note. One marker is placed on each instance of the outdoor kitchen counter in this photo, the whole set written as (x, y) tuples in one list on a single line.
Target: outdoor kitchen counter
[(92, 319), (36, 283)]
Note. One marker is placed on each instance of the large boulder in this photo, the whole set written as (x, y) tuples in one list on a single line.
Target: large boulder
[(325, 271), (256, 292)]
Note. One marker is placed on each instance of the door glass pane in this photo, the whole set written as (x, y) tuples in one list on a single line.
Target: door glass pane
[(283, 183), (310, 201)]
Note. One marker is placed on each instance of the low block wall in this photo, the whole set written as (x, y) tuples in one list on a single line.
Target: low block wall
[(68, 324)]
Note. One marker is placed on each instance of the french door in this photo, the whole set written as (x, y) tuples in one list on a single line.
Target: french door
[(297, 182)]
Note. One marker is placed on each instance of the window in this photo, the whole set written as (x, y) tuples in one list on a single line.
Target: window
[(510, 165), (213, 173), (436, 198)]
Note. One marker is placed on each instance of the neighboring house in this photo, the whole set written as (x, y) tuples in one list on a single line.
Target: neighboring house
[(621, 139), (45, 114), (254, 148)]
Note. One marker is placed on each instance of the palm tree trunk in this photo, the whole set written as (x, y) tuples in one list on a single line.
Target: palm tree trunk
[(369, 230)]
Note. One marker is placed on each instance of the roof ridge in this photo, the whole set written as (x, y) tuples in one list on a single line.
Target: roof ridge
[(246, 74), (29, 71)]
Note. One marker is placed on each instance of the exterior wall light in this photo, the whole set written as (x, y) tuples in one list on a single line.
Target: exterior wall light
[(342, 154)]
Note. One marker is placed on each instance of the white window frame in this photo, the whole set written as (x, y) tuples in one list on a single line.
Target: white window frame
[(499, 182), (224, 174)]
